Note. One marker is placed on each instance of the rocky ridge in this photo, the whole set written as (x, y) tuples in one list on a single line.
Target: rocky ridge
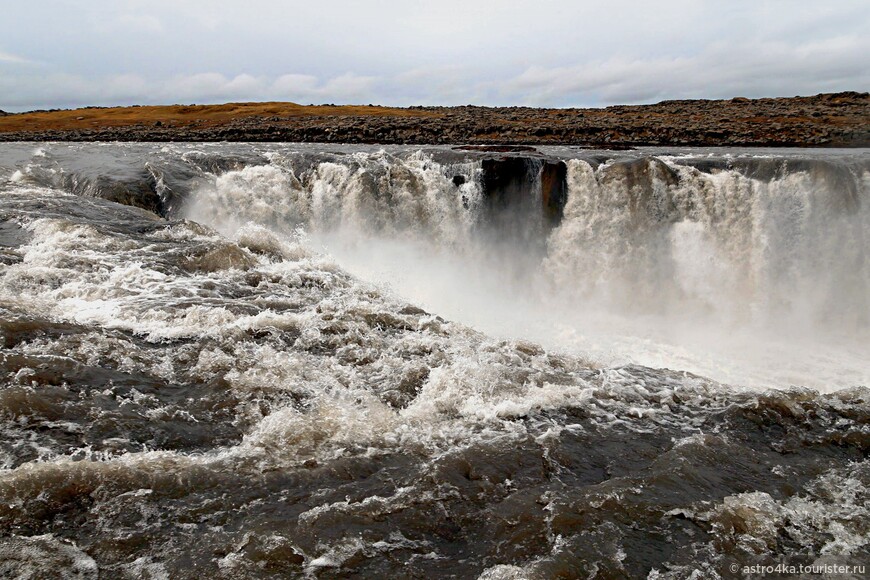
[(827, 120)]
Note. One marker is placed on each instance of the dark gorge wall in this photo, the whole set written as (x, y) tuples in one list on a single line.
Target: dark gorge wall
[(523, 181)]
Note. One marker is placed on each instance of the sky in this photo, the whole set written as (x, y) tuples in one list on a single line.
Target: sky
[(555, 53)]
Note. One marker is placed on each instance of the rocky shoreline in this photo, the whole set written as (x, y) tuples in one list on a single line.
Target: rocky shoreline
[(827, 120)]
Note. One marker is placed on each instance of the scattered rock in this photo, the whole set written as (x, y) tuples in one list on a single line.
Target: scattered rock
[(834, 120)]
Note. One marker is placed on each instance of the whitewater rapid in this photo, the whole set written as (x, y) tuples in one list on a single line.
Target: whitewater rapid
[(291, 361), (753, 282)]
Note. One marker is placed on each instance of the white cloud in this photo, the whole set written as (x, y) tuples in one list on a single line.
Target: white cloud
[(14, 58), (208, 86), (349, 86), (346, 88), (294, 84)]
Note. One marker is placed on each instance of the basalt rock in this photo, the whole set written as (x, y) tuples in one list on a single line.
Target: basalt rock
[(511, 184), (554, 190)]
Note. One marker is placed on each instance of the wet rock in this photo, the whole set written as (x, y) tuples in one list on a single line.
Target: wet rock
[(137, 193), (226, 257), (554, 190), (413, 311), (509, 182), (44, 557), (12, 235)]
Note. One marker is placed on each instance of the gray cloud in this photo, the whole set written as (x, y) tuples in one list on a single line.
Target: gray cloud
[(752, 69), (551, 52)]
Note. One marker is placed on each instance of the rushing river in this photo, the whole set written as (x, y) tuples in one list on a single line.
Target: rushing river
[(261, 360)]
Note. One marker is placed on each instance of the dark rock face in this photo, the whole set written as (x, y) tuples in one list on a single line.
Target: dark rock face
[(554, 190), (12, 235), (514, 215), (507, 180), (509, 184), (137, 194)]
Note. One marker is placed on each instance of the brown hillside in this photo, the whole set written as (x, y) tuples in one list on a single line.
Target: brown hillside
[(839, 120)]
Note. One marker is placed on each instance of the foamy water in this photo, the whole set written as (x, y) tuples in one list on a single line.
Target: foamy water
[(752, 283), (345, 364)]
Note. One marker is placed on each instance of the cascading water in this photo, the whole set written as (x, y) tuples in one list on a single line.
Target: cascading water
[(333, 361), (738, 278)]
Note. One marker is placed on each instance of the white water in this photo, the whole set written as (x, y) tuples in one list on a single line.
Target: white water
[(312, 358), (749, 282)]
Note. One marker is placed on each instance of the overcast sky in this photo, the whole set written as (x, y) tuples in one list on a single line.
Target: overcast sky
[(64, 53)]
